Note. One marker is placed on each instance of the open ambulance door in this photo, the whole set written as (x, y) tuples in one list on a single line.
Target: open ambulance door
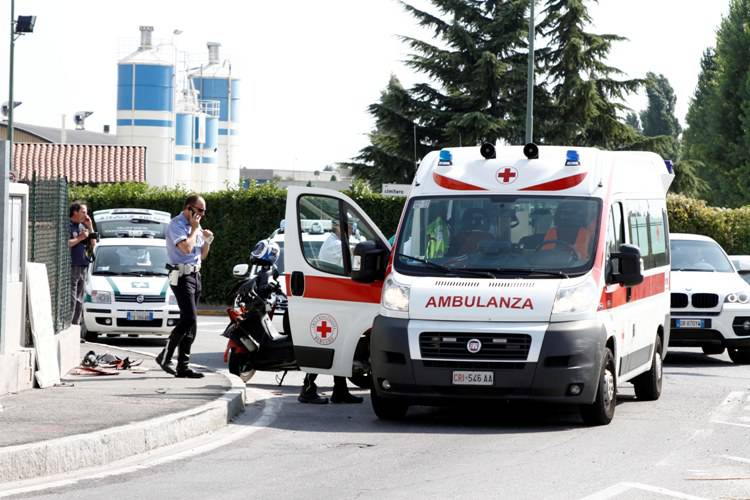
[(328, 311)]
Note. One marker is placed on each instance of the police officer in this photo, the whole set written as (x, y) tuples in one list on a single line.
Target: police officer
[(187, 245)]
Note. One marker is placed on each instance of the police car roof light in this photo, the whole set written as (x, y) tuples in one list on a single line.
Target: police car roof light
[(670, 166), (445, 155), (572, 159), (487, 150), (531, 151)]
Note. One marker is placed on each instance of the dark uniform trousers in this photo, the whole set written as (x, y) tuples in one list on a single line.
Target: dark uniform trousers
[(186, 292)]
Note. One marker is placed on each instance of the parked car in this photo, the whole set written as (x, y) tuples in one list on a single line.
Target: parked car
[(742, 264), (710, 301)]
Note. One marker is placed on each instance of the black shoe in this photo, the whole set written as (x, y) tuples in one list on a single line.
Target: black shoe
[(312, 397), (188, 374), (165, 365), (346, 398)]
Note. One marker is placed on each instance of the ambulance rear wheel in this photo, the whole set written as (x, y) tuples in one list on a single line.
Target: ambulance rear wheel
[(648, 385), (602, 410), (387, 408)]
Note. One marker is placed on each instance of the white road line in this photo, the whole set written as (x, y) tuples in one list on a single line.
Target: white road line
[(723, 413), (620, 488), (241, 428), (735, 459)]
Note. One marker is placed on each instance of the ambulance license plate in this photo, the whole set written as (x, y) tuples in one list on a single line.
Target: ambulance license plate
[(689, 323), (140, 315), (473, 378)]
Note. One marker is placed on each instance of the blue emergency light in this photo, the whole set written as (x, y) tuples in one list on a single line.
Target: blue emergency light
[(445, 158), (572, 159), (670, 166)]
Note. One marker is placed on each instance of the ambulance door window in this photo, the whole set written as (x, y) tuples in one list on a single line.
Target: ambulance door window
[(319, 228), (615, 236), (638, 222), (658, 234), (357, 231)]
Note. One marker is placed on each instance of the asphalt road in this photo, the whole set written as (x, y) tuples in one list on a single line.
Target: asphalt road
[(692, 443)]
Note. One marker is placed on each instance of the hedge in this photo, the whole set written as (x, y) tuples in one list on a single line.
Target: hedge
[(241, 217)]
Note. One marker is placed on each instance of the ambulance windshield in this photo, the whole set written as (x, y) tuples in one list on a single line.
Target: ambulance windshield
[(499, 236)]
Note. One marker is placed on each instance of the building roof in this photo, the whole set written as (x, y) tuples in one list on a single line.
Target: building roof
[(52, 134), (80, 163)]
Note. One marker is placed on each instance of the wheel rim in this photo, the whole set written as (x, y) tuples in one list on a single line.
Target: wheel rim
[(609, 387), (658, 363)]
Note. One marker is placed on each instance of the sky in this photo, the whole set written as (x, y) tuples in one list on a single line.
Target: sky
[(309, 69)]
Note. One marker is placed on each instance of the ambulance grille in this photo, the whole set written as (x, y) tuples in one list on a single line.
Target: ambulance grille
[(457, 283), (499, 347), (512, 284)]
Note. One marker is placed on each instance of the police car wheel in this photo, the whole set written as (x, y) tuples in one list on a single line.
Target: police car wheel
[(88, 334), (648, 385), (387, 408), (739, 355), (714, 350), (602, 410)]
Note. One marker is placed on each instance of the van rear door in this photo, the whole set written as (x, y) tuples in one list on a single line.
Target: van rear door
[(328, 311)]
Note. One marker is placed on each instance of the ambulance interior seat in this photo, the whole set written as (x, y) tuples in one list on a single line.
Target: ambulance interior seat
[(472, 232), (570, 218)]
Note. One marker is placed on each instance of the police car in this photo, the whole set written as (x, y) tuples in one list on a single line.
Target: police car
[(127, 290)]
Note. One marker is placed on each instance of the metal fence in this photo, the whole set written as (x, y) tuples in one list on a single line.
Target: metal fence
[(48, 226)]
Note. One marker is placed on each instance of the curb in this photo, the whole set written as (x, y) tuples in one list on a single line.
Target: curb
[(70, 453)]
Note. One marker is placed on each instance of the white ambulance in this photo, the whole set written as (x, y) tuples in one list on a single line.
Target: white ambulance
[(522, 272), (127, 290)]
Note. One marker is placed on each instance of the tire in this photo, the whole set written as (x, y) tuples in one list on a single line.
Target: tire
[(87, 334), (285, 324), (739, 355), (712, 349), (602, 410), (386, 408), (238, 364), (648, 385)]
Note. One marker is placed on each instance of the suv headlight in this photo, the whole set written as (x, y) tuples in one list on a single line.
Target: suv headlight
[(737, 298), (101, 297), (576, 299), (395, 296)]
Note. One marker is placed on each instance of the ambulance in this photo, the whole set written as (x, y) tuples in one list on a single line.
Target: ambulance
[(516, 273)]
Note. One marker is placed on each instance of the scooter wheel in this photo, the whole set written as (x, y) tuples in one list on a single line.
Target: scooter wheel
[(239, 364)]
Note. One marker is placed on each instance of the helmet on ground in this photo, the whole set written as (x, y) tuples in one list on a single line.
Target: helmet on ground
[(265, 252)]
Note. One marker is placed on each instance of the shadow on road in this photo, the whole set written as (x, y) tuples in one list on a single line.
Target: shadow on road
[(694, 359)]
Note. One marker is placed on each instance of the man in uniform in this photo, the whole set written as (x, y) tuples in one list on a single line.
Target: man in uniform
[(78, 235), (187, 245)]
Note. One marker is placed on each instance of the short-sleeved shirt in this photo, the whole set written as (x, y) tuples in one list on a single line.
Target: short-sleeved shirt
[(177, 231), (78, 251)]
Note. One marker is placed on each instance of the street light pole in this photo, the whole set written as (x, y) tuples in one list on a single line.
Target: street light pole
[(10, 83), (530, 80)]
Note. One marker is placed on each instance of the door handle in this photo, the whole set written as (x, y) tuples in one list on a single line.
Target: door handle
[(298, 283)]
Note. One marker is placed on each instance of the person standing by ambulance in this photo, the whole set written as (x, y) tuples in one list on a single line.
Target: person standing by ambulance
[(187, 246)]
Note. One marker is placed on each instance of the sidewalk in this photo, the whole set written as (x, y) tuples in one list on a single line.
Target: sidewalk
[(96, 419)]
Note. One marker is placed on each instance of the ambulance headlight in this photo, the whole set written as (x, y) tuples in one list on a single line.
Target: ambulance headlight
[(576, 299), (737, 298), (101, 297), (395, 296)]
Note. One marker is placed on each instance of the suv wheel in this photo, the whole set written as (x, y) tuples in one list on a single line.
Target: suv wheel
[(739, 355)]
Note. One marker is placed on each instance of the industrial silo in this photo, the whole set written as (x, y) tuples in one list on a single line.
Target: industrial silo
[(215, 82), (205, 147), (145, 108), (183, 157)]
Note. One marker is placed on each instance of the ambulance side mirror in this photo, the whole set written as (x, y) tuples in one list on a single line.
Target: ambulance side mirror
[(369, 262), (629, 266)]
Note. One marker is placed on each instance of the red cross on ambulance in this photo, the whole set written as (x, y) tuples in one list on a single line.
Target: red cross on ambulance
[(507, 175)]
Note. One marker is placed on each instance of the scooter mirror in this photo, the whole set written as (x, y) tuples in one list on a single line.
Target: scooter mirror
[(240, 270)]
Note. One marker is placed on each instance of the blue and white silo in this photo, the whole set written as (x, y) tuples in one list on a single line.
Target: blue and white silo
[(205, 147), (183, 155), (215, 82), (145, 108)]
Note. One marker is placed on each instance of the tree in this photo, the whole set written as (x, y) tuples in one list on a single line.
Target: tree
[(718, 136), (659, 118), (390, 156), (586, 95), (477, 68), (633, 120), (333, 178)]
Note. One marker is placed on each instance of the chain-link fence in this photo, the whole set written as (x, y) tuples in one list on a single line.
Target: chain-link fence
[(48, 242)]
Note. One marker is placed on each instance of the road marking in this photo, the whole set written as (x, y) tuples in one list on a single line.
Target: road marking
[(729, 411), (620, 488), (241, 427), (736, 459)]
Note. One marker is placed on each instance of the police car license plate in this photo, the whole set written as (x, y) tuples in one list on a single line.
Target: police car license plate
[(140, 315), (689, 323), (473, 378)]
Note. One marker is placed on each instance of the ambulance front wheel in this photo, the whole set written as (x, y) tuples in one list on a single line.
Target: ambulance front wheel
[(648, 385), (387, 408), (602, 410)]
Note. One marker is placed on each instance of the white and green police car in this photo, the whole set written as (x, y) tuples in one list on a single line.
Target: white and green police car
[(127, 289)]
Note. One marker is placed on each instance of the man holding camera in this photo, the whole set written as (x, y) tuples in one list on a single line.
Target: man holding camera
[(187, 245), (80, 235)]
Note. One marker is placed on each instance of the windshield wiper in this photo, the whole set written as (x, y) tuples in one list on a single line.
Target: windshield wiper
[(448, 270), (105, 273), (687, 269), (525, 272), (142, 273)]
